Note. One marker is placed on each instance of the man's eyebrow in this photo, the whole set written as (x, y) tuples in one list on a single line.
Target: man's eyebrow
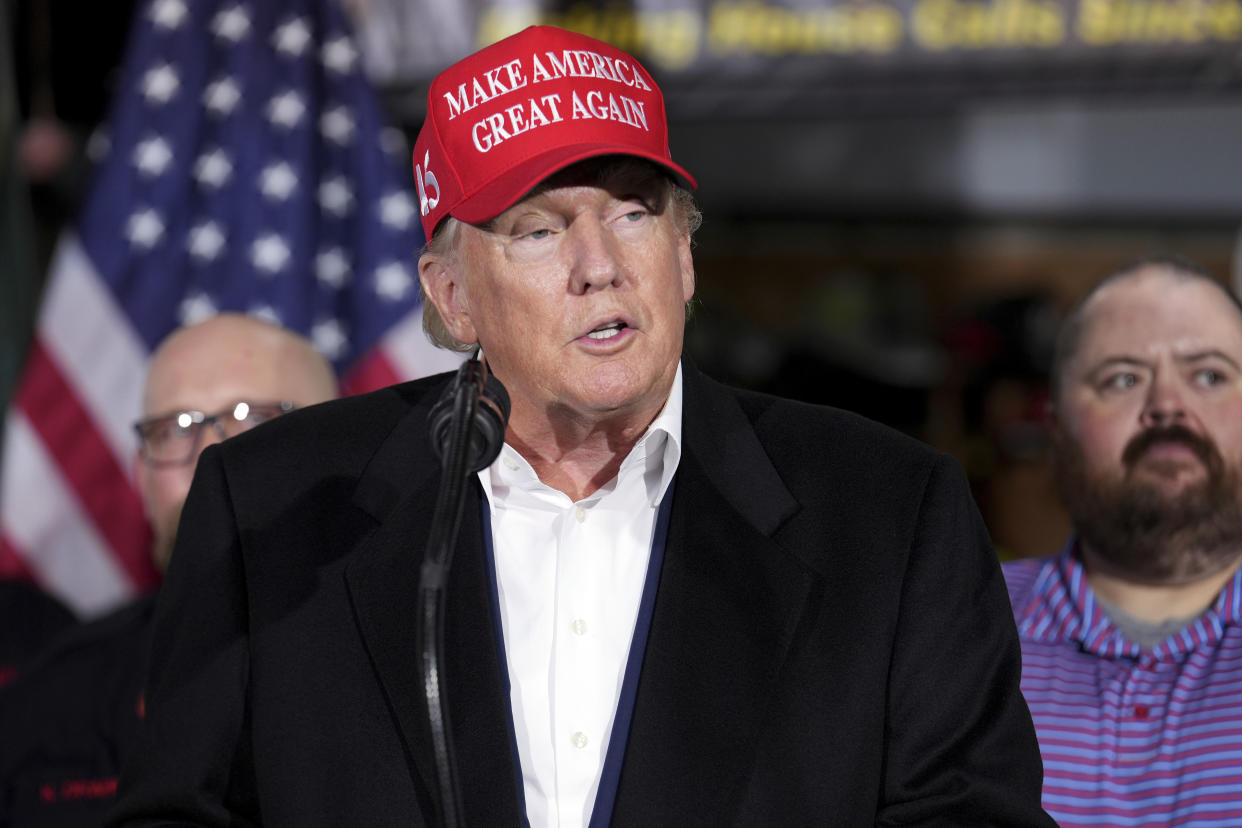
[(1210, 353), (1092, 373), (1114, 361)]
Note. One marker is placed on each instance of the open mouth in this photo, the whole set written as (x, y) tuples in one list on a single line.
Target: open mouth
[(607, 331)]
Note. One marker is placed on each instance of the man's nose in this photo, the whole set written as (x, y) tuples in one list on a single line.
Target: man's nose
[(213, 433), (1165, 403), (596, 261)]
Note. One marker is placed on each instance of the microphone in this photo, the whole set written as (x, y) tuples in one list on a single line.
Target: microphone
[(486, 421), (467, 428)]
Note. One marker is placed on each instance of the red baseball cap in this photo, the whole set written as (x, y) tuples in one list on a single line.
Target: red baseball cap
[(508, 116)]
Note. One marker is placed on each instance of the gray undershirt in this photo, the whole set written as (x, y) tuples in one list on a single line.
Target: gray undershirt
[(1146, 634)]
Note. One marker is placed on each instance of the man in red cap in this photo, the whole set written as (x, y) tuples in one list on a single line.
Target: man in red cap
[(672, 603)]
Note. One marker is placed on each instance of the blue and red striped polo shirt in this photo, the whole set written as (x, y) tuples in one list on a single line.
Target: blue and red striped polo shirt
[(1129, 736)]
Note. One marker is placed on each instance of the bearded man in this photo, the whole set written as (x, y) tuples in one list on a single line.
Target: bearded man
[(1132, 636)]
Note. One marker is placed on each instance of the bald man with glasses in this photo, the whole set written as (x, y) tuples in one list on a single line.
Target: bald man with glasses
[(208, 382), (69, 721)]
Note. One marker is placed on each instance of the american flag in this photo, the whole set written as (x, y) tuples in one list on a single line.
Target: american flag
[(245, 166)]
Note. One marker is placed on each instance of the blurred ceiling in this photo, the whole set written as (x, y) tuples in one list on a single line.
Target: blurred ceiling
[(1075, 109)]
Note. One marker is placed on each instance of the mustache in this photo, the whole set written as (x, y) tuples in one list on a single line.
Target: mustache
[(1203, 448)]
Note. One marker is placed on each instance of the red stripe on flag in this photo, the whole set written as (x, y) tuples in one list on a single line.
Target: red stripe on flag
[(13, 565), (372, 371), (87, 463)]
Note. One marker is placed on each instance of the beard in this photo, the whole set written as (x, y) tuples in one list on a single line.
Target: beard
[(1144, 532)]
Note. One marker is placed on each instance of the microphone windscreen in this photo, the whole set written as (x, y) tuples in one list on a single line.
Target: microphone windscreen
[(487, 424), (491, 417)]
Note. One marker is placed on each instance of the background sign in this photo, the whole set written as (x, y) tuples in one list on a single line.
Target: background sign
[(747, 58)]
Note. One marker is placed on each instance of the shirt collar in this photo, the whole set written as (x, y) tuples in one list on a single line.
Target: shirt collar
[(656, 455), (659, 449), (1064, 608)]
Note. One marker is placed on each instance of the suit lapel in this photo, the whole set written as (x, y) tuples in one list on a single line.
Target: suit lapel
[(399, 489), (728, 603), (729, 600)]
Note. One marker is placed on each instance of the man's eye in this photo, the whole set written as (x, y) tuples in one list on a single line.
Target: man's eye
[(530, 231), (179, 425), (637, 213), (1209, 377), (262, 413), (1119, 382), (167, 430)]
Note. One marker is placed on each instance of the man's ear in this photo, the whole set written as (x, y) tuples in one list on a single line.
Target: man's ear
[(443, 284), (686, 259)]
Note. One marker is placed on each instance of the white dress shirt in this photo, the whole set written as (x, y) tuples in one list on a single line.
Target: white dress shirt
[(570, 577)]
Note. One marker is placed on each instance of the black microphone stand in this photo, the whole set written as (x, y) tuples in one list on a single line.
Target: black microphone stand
[(462, 425)]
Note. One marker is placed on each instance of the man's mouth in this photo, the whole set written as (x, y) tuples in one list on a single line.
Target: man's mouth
[(607, 331), (1168, 449)]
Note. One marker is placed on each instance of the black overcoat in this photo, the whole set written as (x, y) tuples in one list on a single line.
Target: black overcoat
[(831, 642)]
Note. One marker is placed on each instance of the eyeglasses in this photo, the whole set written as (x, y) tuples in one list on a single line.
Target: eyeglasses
[(173, 439)]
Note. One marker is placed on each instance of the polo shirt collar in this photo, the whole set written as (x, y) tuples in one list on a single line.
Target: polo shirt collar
[(1064, 608)]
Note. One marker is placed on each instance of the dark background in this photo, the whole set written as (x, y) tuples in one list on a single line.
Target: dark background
[(896, 236)]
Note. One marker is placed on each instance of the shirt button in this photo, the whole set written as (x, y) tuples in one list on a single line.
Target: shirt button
[(510, 463), (1141, 711), (581, 514), (579, 739), (579, 626)]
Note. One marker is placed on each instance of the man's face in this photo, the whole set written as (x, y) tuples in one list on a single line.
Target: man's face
[(208, 368), (1149, 428), (576, 295)]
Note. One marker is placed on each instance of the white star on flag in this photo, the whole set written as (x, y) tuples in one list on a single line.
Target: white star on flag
[(231, 24), (168, 14), (213, 168), (292, 37), (336, 197), (396, 210), (206, 241), (196, 307), (332, 267), (239, 170), (393, 281), (160, 83), (145, 228), (286, 109), (337, 125), (392, 141), (278, 181), (338, 54), (152, 156), (270, 253), (221, 96), (329, 337)]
